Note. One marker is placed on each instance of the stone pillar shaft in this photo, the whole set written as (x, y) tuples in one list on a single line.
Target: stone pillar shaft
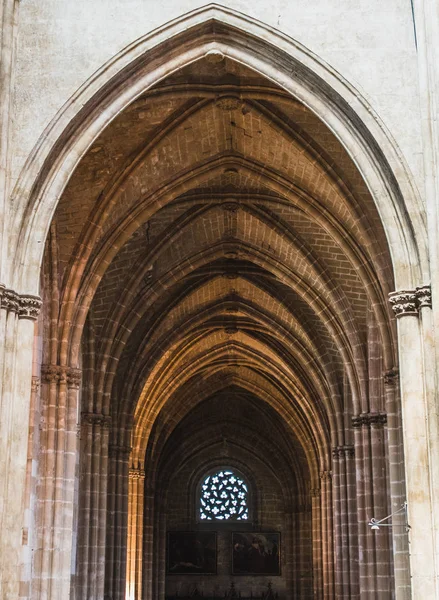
[(327, 528), (117, 525), (56, 489), (93, 506), (418, 416), (135, 534), (317, 543), (397, 486), (17, 330)]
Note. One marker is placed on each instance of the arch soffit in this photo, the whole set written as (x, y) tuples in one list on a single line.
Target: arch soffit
[(178, 44), (294, 415), (315, 449), (303, 357)]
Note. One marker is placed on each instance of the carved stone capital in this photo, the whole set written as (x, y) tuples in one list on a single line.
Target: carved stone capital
[(343, 452), (10, 300), (404, 303), (136, 474), (61, 374), (50, 373), (377, 419), (357, 421), (25, 306), (349, 451), (423, 296), (30, 307), (326, 475), (117, 451), (96, 419), (73, 378), (368, 419), (391, 377), (336, 453)]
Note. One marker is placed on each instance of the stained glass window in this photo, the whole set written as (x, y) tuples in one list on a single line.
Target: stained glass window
[(224, 496)]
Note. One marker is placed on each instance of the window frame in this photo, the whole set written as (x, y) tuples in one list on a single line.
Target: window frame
[(224, 522)]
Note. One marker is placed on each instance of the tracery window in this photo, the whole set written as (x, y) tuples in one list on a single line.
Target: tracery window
[(224, 497)]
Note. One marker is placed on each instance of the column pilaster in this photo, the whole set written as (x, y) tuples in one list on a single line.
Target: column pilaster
[(135, 533), (328, 542), (57, 473), (317, 542), (93, 505), (117, 527), (419, 419), (17, 316), (401, 564)]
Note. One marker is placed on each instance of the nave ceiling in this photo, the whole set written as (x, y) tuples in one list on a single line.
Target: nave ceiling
[(216, 237)]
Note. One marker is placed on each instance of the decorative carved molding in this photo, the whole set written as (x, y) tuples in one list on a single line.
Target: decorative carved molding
[(228, 102), (423, 296), (336, 452), (60, 374), (117, 451), (231, 329), (136, 474), (343, 452), (349, 451), (404, 303), (74, 378), (50, 373), (25, 306), (326, 475), (214, 56), (96, 419), (231, 206), (391, 377), (10, 300), (30, 307), (35, 384), (409, 302), (368, 419), (315, 492)]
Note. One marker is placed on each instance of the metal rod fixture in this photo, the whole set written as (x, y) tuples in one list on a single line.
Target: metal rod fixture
[(375, 524)]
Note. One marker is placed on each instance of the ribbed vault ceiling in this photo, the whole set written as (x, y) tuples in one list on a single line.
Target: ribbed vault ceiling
[(217, 247)]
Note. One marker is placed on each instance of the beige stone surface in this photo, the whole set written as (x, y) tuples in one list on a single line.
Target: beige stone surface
[(205, 211)]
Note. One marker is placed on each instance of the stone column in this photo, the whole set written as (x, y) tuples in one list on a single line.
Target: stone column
[(148, 539), (352, 523), (384, 575), (363, 506), (401, 565), (346, 547), (29, 502), (117, 523), (375, 578), (56, 483), (93, 506), (417, 418), (340, 554), (17, 328), (327, 527), (135, 534), (317, 543)]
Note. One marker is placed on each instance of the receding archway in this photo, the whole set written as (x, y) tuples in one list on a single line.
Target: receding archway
[(241, 237)]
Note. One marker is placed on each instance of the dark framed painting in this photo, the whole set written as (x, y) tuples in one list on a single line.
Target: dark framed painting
[(191, 553), (256, 553)]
